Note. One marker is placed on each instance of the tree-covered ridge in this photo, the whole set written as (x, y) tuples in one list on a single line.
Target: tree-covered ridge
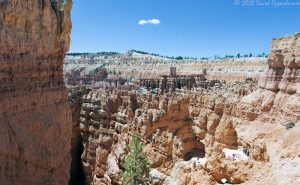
[(130, 52), (85, 54)]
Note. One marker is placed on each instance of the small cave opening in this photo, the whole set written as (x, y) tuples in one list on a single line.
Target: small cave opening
[(195, 153), (193, 149), (77, 176)]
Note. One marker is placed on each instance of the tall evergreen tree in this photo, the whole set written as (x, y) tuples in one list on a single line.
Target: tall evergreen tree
[(136, 164)]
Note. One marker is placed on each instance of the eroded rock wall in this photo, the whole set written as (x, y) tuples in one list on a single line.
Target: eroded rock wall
[(186, 132), (35, 118), (283, 65), (279, 90), (175, 128), (104, 115)]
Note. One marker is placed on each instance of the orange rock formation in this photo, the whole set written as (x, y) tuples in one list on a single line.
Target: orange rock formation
[(188, 134), (35, 118)]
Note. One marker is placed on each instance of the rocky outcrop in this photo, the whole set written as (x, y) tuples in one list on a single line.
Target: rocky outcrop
[(104, 115), (35, 119), (278, 92), (283, 64)]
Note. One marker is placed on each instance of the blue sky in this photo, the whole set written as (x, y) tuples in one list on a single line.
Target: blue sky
[(198, 28)]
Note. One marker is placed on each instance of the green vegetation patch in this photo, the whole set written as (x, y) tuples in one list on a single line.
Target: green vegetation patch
[(137, 166), (289, 124), (59, 4)]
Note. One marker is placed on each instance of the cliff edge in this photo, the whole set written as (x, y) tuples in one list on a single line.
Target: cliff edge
[(35, 118)]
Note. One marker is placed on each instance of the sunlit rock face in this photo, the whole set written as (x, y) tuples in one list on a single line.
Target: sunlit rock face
[(35, 118), (234, 132), (279, 89), (283, 65)]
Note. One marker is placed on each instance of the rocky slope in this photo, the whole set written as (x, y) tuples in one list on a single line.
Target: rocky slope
[(236, 132), (35, 118)]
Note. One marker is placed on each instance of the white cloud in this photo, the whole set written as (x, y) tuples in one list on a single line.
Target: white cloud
[(143, 22), (149, 21), (154, 21)]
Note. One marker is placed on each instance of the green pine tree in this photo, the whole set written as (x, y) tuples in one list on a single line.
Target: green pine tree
[(136, 164)]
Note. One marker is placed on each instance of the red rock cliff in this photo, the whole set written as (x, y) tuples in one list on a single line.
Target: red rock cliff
[(35, 118)]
